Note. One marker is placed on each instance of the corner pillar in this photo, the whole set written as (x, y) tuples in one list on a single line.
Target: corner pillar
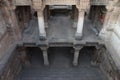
[(106, 24), (79, 31), (76, 55)]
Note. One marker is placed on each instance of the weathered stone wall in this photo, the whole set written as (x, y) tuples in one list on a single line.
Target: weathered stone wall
[(11, 65), (103, 58), (111, 31), (24, 16), (9, 30)]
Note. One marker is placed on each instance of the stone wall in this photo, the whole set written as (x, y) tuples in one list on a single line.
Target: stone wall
[(9, 29), (103, 59), (11, 65)]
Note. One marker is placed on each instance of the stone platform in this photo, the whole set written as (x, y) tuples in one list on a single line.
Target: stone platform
[(59, 33)]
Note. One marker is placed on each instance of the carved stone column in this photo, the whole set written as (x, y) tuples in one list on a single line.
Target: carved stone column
[(45, 56), (46, 16), (106, 21), (75, 16), (79, 31), (76, 55), (41, 24)]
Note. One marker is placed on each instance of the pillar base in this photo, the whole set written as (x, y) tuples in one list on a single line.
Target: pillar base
[(75, 64), (42, 37), (78, 36)]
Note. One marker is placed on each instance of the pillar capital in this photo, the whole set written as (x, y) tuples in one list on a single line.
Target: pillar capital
[(78, 48), (40, 5), (83, 4), (40, 13), (44, 48), (110, 7)]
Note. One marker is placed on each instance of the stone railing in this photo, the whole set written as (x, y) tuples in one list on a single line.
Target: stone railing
[(22, 2), (61, 2), (99, 2)]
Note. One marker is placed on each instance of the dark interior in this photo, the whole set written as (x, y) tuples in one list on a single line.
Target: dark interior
[(61, 67)]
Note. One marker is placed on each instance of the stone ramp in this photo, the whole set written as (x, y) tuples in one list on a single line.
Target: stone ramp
[(60, 67)]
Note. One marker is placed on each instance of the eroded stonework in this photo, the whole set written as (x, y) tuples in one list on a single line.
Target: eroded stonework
[(62, 23)]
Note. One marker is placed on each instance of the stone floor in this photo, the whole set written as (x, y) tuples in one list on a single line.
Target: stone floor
[(60, 30), (60, 66)]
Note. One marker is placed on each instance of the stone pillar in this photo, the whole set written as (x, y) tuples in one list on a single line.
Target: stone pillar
[(106, 21), (45, 56), (88, 12), (76, 55), (46, 17), (41, 24), (75, 16), (79, 32)]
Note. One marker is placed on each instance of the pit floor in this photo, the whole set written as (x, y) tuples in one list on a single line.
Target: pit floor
[(60, 66)]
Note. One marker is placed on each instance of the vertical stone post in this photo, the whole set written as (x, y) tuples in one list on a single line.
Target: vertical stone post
[(106, 21), (88, 11), (76, 55), (75, 16), (48, 9), (45, 56), (79, 31), (41, 24), (46, 16)]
